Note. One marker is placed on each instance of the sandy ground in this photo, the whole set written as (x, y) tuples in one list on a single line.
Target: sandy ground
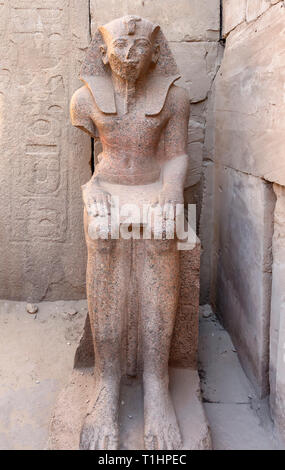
[(36, 359)]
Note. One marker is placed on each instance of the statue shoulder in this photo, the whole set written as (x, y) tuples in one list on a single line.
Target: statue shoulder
[(178, 94), (178, 99), (81, 99), (80, 110)]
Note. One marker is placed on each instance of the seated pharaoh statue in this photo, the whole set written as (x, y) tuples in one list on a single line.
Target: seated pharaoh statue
[(129, 101)]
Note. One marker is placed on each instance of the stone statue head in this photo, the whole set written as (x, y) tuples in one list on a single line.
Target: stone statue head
[(130, 46)]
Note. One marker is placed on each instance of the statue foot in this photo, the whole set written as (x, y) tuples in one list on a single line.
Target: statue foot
[(100, 429), (161, 431)]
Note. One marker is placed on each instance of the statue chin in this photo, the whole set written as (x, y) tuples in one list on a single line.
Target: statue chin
[(129, 72)]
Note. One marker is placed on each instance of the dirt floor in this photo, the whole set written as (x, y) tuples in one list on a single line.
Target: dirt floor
[(36, 359)]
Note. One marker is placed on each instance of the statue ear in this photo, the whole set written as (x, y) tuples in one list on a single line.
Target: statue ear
[(103, 50), (156, 48), (155, 53)]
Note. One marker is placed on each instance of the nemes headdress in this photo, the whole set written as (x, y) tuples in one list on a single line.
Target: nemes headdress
[(97, 76)]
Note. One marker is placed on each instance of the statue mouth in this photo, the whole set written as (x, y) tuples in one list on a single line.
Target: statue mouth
[(131, 63)]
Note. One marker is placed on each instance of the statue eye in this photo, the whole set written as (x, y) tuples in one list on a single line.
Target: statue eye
[(142, 45), (120, 44)]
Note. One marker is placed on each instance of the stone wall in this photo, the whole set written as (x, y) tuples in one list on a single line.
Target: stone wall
[(44, 160), (277, 320), (192, 28), (249, 121)]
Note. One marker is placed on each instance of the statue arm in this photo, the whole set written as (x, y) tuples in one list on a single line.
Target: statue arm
[(80, 110), (176, 159)]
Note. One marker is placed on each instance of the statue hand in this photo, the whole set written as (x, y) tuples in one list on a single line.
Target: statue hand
[(97, 201), (167, 199), (170, 195)]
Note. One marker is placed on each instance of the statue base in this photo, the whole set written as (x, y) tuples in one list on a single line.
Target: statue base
[(73, 402)]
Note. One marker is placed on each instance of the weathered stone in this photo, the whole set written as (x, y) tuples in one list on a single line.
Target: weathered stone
[(206, 221), (197, 63), (185, 20), (195, 148), (206, 311), (250, 116), (255, 8), (32, 308), (233, 14), (43, 159), (242, 261), (73, 403), (194, 172), (196, 132), (184, 347), (206, 228), (277, 321)]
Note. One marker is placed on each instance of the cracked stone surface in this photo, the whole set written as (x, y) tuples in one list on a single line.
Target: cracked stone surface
[(249, 112)]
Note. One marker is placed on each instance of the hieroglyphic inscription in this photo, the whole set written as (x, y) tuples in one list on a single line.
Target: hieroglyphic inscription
[(43, 162), (41, 32)]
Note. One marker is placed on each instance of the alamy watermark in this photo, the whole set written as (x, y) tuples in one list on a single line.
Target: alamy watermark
[(145, 221)]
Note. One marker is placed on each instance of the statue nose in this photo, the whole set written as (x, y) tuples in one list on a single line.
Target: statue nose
[(128, 52)]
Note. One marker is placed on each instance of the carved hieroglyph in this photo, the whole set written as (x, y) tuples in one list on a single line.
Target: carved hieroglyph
[(130, 101), (43, 160)]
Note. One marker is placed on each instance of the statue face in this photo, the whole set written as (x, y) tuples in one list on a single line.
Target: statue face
[(130, 56)]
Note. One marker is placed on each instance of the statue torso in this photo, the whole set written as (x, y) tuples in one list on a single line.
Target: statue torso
[(131, 143)]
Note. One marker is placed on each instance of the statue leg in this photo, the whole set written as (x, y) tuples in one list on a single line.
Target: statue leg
[(159, 291), (107, 273)]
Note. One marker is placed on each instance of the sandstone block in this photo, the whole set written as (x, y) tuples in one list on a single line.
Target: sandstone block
[(197, 63), (206, 228), (277, 321), (185, 20), (242, 256), (250, 110), (255, 8), (233, 14), (43, 159)]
